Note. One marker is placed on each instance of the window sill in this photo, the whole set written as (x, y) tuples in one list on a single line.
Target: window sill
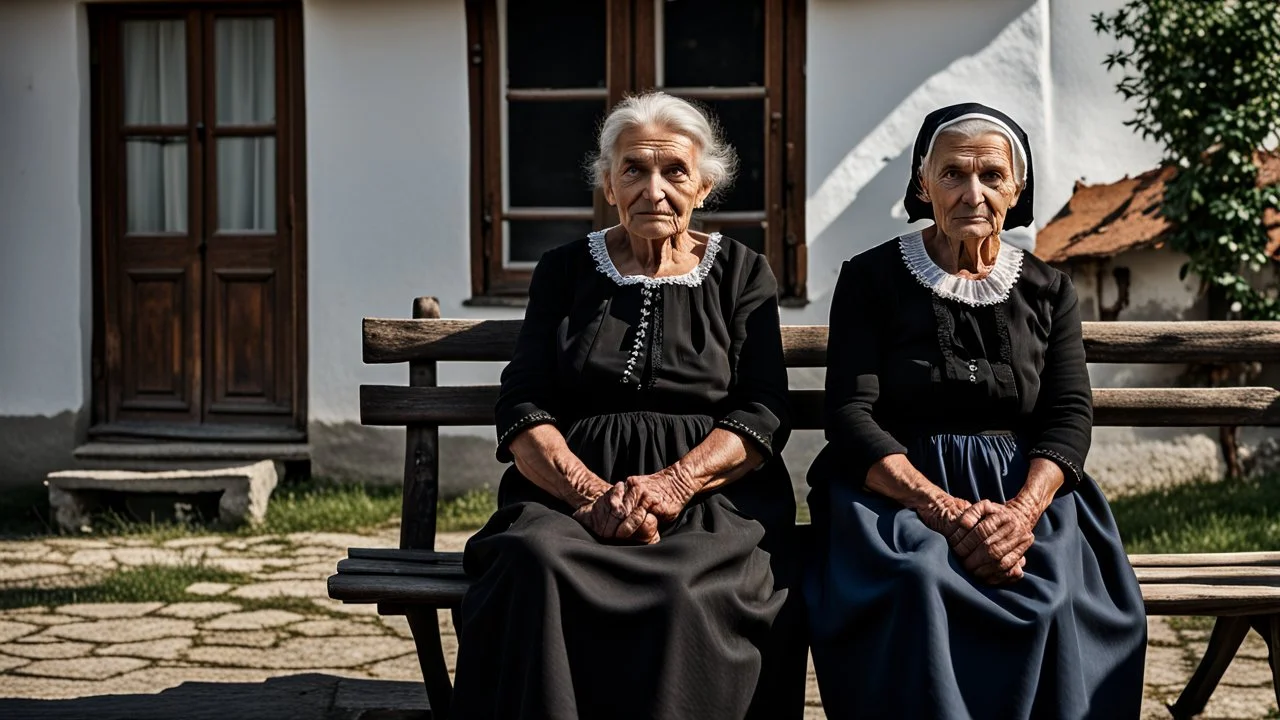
[(509, 301)]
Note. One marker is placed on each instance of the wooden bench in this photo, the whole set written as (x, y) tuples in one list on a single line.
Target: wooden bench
[(1240, 589)]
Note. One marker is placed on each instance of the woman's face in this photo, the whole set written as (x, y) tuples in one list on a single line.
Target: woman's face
[(654, 182), (970, 184)]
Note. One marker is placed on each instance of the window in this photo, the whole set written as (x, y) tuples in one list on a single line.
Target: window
[(544, 74)]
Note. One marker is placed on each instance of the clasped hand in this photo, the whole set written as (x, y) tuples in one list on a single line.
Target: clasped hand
[(991, 539), (633, 509)]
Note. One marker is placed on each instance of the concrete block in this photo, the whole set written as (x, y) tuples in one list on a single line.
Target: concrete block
[(244, 489)]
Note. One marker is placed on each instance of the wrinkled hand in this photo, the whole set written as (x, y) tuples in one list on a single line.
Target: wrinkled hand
[(943, 514), (618, 515), (664, 493), (992, 540)]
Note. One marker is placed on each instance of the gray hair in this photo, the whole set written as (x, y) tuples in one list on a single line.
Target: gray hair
[(972, 128), (718, 161)]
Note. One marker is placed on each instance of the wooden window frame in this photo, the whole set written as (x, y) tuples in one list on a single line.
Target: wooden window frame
[(631, 27)]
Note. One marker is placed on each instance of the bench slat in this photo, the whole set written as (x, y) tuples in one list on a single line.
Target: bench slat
[(1216, 600), (398, 589), (1132, 407), (402, 340), (1206, 575), (406, 555), (357, 566), (1238, 559)]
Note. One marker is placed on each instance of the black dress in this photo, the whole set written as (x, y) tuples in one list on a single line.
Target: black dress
[(636, 372), (970, 385)]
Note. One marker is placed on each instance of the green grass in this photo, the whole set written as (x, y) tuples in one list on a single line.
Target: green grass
[(146, 583), (1226, 516), (315, 506)]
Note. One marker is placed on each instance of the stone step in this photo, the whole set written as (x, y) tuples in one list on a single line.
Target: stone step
[(245, 490), (186, 451)]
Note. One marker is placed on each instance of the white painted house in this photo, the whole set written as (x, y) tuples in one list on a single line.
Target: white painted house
[(199, 201)]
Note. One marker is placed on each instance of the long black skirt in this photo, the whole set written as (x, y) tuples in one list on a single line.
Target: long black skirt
[(561, 625), (901, 630)]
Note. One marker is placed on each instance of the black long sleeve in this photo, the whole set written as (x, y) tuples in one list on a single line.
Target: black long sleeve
[(1063, 415)]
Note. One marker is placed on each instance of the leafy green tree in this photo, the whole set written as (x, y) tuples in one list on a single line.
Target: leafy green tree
[(1205, 75)]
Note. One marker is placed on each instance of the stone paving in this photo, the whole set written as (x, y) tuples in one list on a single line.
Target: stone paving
[(116, 657)]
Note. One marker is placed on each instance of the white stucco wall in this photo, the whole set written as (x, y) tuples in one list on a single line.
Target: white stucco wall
[(45, 324)]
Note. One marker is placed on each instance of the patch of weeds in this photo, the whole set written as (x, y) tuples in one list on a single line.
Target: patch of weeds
[(144, 583), (319, 506), (468, 511), (1191, 623), (1225, 516)]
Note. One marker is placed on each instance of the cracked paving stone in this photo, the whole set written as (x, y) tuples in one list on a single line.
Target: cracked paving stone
[(398, 624), (1241, 703), (10, 630), (45, 619), (180, 543), (47, 651), (8, 662), (237, 564), (1166, 666), (208, 588), (1243, 672), (1254, 647), (77, 543), (405, 667), (282, 588), (110, 610), (253, 620), (95, 558), (31, 571), (314, 551), (303, 652), (198, 610), (340, 541), (94, 668), (241, 638), (147, 556), (333, 628), (367, 609), (1159, 632), (166, 649), (124, 630), (269, 548)]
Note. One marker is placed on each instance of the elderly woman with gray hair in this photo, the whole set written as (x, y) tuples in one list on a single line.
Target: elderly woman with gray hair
[(967, 566), (628, 571)]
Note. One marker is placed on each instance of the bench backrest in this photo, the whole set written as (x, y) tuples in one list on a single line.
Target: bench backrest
[(425, 340)]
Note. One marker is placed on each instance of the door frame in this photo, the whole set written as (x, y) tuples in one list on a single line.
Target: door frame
[(294, 214)]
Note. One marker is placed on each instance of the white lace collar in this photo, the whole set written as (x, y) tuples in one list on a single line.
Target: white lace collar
[(990, 290), (693, 278)]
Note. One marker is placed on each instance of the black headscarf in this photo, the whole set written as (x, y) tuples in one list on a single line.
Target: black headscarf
[(1019, 215)]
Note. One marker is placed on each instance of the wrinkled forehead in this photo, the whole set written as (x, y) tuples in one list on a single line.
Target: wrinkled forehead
[(654, 144), (1018, 154), (987, 149)]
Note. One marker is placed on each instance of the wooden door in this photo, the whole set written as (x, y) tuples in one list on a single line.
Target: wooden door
[(198, 192)]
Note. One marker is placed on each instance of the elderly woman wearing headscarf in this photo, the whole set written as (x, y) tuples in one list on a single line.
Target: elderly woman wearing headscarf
[(627, 573), (967, 565)]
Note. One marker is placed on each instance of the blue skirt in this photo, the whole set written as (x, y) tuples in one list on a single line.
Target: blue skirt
[(900, 629)]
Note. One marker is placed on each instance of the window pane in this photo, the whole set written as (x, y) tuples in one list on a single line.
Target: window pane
[(712, 42), (247, 183), (156, 184), (528, 239), (556, 44), (155, 72), (246, 71), (743, 122), (547, 148)]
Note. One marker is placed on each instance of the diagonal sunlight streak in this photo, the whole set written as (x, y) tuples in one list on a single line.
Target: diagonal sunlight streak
[(1005, 61)]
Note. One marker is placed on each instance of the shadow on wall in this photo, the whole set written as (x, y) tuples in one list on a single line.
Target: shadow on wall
[(31, 447), (861, 130), (356, 453)]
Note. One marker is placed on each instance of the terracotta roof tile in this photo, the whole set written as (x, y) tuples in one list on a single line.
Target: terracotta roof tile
[(1105, 220)]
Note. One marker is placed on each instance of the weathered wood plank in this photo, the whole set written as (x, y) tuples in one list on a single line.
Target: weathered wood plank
[(1123, 407), (358, 566), (1222, 575), (400, 590), (1216, 600), (1236, 559), (400, 340), (421, 491), (405, 555)]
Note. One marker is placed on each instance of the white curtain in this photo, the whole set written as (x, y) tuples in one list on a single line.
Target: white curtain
[(155, 93), (246, 95)]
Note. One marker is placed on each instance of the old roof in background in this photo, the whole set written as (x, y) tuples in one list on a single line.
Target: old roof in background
[(1101, 221)]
